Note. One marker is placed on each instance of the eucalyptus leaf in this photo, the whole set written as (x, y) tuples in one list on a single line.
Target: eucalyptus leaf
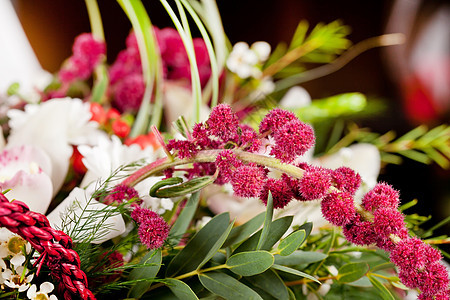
[(292, 242), (300, 257), (277, 229), (307, 227), (250, 263), (200, 245), (352, 272), (148, 272), (180, 289), (184, 218), (184, 188), (270, 282), (227, 287), (294, 272), (381, 289), (240, 233), (267, 222)]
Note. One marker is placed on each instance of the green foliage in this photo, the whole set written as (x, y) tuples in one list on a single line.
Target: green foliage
[(154, 258), (227, 287), (352, 272), (183, 188), (292, 242), (250, 263)]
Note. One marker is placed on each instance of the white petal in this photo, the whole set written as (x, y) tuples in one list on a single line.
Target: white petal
[(31, 293), (262, 49), (295, 97), (46, 287), (17, 260)]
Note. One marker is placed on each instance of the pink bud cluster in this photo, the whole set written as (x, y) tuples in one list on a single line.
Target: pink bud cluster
[(153, 230), (127, 82), (87, 54), (122, 193)]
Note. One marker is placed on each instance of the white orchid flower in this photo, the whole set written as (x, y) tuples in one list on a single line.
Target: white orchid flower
[(54, 126), (80, 211), (26, 171)]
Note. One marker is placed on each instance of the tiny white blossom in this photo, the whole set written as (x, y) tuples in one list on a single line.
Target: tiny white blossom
[(45, 289), (14, 280), (242, 61), (262, 50)]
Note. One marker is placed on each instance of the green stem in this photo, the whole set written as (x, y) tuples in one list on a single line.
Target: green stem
[(210, 156), (197, 272), (95, 19)]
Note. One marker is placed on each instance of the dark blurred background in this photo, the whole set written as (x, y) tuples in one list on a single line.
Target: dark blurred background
[(389, 74)]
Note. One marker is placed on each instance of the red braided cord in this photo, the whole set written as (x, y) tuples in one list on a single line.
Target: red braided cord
[(54, 245)]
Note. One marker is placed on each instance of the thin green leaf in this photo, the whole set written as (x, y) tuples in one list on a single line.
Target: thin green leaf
[(180, 289), (267, 222), (250, 263), (184, 219), (240, 233), (271, 283), (164, 182), (294, 272), (382, 290), (200, 245), (299, 35), (100, 85), (217, 245), (352, 272), (149, 272), (413, 134), (184, 188), (292, 242), (227, 287), (415, 155)]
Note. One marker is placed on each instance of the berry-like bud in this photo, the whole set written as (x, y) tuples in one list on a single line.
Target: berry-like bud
[(346, 180), (275, 119), (248, 181), (227, 163), (382, 195), (338, 208), (414, 253), (281, 192), (291, 140), (387, 221), (222, 122), (315, 183), (360, 232)]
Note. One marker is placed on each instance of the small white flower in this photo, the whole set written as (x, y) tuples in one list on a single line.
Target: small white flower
[(242, 61), (14, 280), (262, 50), (11, 245), (45, 289)]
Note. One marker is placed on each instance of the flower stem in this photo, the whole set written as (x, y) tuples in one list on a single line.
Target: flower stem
[(95, 19)]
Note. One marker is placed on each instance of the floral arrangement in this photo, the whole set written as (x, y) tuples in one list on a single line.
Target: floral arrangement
[(185, 170)]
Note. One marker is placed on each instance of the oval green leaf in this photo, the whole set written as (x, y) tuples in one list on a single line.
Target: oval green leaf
[(250, 263), (271, 283), (352, 272), (300, 257), (292, 242), (227, 287), (153, 261), (180, 289)]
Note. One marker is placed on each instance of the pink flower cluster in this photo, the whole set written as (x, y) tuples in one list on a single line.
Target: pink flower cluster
[(376, 221), (87, 54), (122, 193), (153, 230), (127, 82)]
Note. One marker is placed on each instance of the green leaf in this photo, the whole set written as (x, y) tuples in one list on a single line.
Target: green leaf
[(148, 272), (250, 263), (292, 242), (184, 188), (180, 289), (294, 272), (307, 227), (415, 155), (200, 246), (184, 219), (299, 35), (277, 229), (352, 272), (100, 85), (381, 289), (240, 233), (300, 257), (267, 222), (227, 287), (164, 182), (270, 282)]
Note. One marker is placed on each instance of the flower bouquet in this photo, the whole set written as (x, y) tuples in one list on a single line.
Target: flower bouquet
[(190, 168)]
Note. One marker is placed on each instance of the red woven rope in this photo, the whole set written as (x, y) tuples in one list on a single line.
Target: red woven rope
[(54, 246)]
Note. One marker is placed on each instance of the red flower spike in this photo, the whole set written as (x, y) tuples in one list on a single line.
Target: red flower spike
[(382, 195), (315, 183), (387, 221), (338, 208), (63, 262), (346, 180), (275, 119), (248, 181), (281, 192), (414, 253), (222, 122), (359, 232), (291, 140)]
